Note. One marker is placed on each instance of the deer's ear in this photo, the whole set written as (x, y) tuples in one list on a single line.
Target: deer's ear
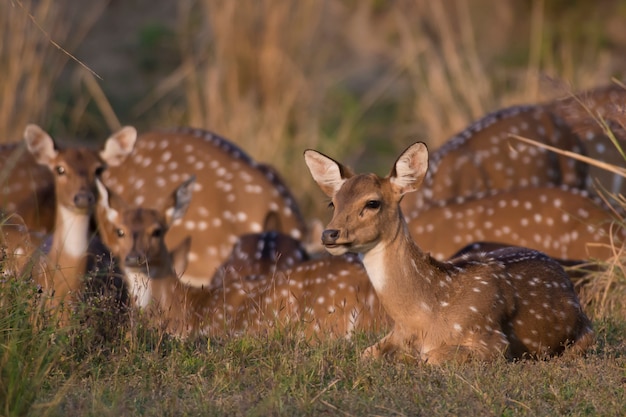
[(118, 146), (180, 256), (109, 204), (272, 222), (410, 169), (40, 144), (327, 173), (180, 201)]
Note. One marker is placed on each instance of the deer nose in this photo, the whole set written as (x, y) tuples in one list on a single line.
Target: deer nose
[(84, 199), (330, 236), (135, 259)]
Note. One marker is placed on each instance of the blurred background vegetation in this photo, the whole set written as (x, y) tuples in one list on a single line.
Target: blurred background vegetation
[(357, 79)]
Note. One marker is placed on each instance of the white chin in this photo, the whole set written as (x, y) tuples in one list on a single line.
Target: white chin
[(336, 250)]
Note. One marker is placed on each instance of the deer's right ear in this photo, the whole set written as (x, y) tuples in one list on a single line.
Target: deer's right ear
[(327, 173), (40, 144), (180, 201), (118, 146)]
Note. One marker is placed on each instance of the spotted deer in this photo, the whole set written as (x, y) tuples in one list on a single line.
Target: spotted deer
[(61, 270), (562, 222), (26, 187), (484, 158), (262, 253), (234, 193), (256, 290), (582, 112), (16, 244), (513, 302)]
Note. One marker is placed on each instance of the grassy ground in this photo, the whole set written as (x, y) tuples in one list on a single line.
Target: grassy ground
[(49, 371)]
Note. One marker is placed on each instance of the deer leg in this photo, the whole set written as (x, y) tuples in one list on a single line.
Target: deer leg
[(482, 347), (394, 344)]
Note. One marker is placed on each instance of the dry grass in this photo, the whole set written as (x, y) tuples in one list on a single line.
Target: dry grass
[(36, 43)]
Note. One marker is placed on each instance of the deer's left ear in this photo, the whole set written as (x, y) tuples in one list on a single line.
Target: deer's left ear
[(410, 169), (179, 201)]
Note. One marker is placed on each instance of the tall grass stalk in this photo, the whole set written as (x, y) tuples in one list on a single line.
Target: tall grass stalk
[(37, 37)]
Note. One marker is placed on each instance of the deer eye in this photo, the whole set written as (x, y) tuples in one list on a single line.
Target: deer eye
[(157, 233), (373, 204), (60, 169), (99, 171), (331, 205), (120, 232)]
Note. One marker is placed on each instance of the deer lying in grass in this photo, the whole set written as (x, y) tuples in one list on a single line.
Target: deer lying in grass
[(255, 290), (513, 302), (61, 270)]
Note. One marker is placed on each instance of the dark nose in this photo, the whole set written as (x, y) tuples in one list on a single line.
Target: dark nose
[(330, 236), (135, 259), (84, 199)]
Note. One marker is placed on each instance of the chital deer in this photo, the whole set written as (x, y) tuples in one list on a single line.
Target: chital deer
[(559, 221), (234, 193), (62, 269), (263, 253), (512, 302), (16, 245), (26, 187), (255, 291), (581, 111), (484, 158)]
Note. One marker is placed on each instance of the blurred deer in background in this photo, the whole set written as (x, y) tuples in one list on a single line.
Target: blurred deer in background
[(512, 302), (562, 222), (483, 158), (234, 193), (584, 113)]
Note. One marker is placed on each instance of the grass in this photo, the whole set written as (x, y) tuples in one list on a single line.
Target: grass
[(147, 373)]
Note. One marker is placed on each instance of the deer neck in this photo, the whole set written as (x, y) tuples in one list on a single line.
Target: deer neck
[(70, 242), (400, 271)]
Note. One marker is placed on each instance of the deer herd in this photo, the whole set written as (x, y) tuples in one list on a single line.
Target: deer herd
[(458, 253)]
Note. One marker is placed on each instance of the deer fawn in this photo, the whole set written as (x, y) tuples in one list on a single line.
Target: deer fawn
[(62, 269), (255, 290), (561, 222), (483, 158), (234, 193), (513, 302)]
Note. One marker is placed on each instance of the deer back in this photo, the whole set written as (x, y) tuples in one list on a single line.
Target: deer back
[(484, 158), (562, 222), (234, 193)]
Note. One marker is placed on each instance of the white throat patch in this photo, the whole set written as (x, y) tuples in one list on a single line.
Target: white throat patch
[(374, 263), (140, 289), (74, 233)]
